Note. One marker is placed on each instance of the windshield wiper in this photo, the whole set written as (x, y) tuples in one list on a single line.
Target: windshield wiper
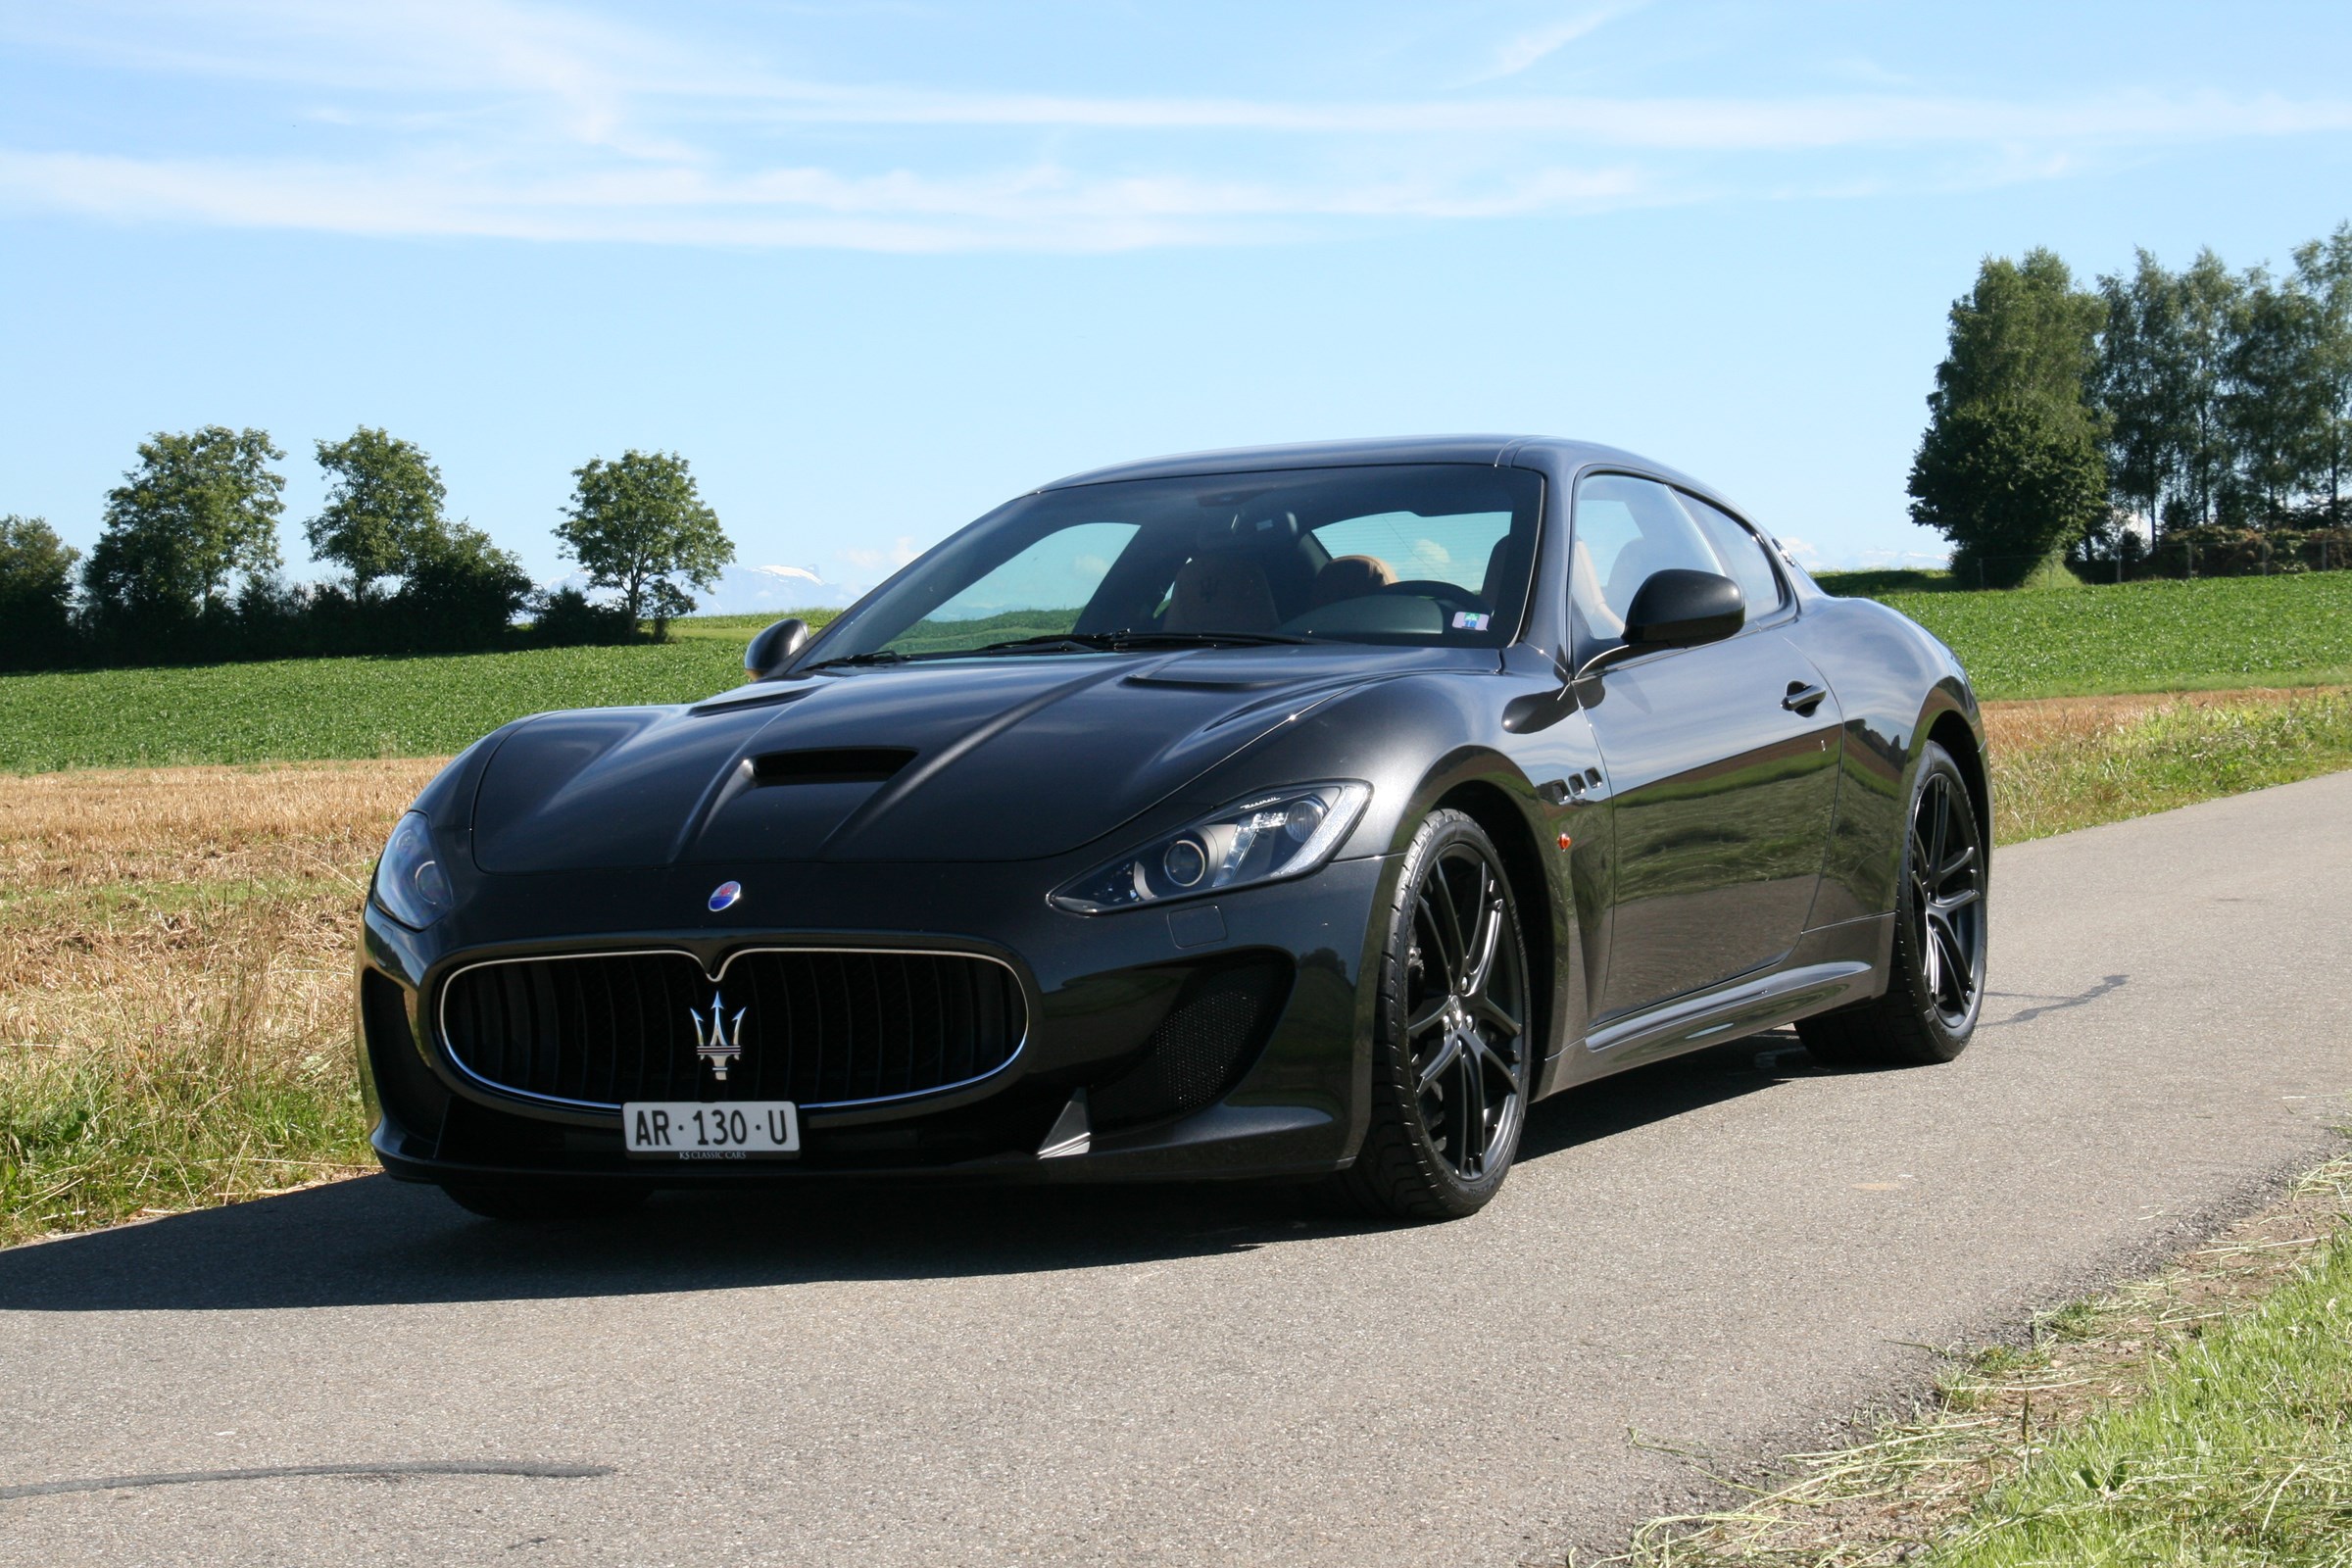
[(1073, 642), (1119, 642), (879, 656), (1207, 639)]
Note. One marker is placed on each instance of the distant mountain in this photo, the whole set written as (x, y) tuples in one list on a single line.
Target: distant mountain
[(754, 590)]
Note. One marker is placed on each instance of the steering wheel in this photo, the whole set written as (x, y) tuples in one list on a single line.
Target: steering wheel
[(1450, 595)]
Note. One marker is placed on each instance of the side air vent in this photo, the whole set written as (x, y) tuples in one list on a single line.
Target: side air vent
[(854, 764)]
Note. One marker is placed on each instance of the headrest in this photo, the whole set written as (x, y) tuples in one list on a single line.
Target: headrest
[(1247, 530), (1350, 577), (1221, 593)]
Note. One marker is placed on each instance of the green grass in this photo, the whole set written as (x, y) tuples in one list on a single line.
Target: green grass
[(212, 1068), (2241, 1452), (2200, 1417), (2207, 635), (94, 1137), (2175, 756)]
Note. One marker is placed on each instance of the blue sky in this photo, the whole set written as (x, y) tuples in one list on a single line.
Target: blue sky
[(873, 267)]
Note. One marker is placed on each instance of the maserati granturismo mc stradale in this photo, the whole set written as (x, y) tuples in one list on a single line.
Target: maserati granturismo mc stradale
[(1299, 811)]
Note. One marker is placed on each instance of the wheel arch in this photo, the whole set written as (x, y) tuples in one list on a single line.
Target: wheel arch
[(1954, 734)]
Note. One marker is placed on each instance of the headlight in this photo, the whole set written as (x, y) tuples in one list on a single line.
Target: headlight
[(1267, 837), (410, 884)]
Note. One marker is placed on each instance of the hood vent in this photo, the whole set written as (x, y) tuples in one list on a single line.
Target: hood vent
[(736, 702), (851, 764)]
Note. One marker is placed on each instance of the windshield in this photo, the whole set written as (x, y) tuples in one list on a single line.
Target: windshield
[(1428, 554)]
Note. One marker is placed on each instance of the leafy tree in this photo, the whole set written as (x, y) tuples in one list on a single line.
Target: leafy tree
[(198, 507), (2136, 388), (459, 590), (2207, 309), (383, 508), (2324, 270), (2010, 469), (638, 523), (2274, 404), (36, 589)]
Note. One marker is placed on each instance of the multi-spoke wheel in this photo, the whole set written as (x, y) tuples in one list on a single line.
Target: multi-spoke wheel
[(1937, 985), (1451, 1049)]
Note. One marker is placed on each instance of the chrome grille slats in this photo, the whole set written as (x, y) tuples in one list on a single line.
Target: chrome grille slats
[(825, 1026)]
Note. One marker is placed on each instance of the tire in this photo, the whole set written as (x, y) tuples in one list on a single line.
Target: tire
[(1936, 986), (1451, 1049), (546, 1205)]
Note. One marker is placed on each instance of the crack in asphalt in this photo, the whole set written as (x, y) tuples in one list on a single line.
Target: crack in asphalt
[(533, 1468), (2114, 982)]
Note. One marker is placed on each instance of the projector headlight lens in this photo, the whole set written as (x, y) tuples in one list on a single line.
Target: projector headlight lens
[(410, 884), (1278, 834)]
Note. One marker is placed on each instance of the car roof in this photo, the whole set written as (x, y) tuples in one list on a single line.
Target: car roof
[(1480, 449)]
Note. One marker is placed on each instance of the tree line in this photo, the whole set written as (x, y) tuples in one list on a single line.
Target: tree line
[(188, 566), (2165, 423)]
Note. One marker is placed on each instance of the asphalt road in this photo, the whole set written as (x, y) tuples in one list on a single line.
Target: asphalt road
[(1722, 1254)]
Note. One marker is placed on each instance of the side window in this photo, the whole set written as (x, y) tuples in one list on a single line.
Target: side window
[(1627, 528), (1744, 557)]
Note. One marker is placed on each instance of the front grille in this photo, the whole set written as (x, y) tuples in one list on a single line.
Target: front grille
[(820, 1027)]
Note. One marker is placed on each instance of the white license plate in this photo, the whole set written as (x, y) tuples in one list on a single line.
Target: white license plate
[(688, 1129)]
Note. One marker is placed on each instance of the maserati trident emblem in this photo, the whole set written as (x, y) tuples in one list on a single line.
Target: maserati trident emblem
[(719, 1039), (724, 895)]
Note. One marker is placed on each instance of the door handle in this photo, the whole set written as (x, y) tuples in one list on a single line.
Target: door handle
[(1803, 697)]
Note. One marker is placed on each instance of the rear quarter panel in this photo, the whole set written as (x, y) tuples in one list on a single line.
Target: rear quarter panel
[(1894, 681)]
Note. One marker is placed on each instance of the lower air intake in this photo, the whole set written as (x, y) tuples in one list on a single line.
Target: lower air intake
[(1209, 1037)]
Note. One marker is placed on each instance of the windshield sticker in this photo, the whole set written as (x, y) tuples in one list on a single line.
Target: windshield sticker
[(1469, 620)]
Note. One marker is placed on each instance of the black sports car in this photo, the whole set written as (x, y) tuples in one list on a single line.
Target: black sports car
[(1267, 813)]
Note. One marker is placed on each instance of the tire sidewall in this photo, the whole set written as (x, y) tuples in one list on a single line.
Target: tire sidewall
[(1947, 1040), (1392, 1055)]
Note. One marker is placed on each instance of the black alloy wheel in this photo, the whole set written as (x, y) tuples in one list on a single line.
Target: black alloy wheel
[(1451, 1046), (1946, 868), (1937, 985)]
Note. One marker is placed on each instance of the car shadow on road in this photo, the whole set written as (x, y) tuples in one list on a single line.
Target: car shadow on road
[(375, 1242)]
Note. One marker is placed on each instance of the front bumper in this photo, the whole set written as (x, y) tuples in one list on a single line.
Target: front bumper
[(1103, 993)]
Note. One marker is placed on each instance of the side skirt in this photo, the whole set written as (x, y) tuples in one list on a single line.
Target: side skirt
[(1828, 968)]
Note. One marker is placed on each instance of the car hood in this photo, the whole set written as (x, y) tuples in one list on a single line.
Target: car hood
[(983, 760)]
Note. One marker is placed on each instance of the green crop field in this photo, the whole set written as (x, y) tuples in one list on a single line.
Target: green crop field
[(2159, 636), (2206, 635), (302, 709)]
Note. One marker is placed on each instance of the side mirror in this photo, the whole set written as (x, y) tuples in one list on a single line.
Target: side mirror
[(1674, 609), (777, 647), (1680, 609)]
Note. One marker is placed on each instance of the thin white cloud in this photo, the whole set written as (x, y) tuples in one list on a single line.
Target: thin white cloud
[(522, 120), (902, 550), (1530, 48)]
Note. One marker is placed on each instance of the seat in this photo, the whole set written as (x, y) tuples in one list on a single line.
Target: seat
[(1491, 583), (1221, 593), (1583, 588), (1627, 572), (1350, 577)]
